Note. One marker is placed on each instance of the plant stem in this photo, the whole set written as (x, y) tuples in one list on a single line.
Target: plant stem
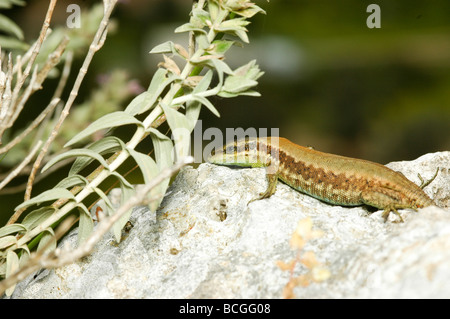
[(134, 141)]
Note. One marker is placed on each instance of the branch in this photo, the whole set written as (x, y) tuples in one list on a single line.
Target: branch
[(61, 257), (19, 168), (31, 127), (21, 77), (96, 44)]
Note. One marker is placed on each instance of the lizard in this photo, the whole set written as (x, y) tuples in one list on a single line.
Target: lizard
[(334, 179)]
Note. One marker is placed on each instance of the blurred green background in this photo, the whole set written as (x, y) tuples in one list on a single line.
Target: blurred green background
[(330, 81)]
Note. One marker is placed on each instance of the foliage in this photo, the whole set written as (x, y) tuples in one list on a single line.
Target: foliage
[(176, 94), (14, 35)]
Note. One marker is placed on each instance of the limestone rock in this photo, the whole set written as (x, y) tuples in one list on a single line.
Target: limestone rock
[(206, 242)]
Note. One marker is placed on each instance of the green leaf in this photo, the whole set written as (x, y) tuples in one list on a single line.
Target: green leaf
[(24, 256), (250, 12), (122, 179), (199, 20), (109, 205), (187, 27), (106, 145), (157, 133), (193, 109), (139, 103), (48, 240), (200, 17), (149, 170), (181, 128), (203, 43), (204, 83), (12, 229), (123, 182), (242, 34), (221, 68), (242, 79), (107, 121), (146, 164), (206, 103), (166, 47), (8, 26), (51, 194), (71, 181), (37, 217), (227, 94), (164, 158), (7, 241), (236, 84), (236, 27), (12, 264), (233, 24), (85, 225), (127, 191), (163, 148), (230, 95), (172, 48), (83, 152), (6, 4), (159, 82), (12, 43), (213, 9), (250, 70), (221, 46)]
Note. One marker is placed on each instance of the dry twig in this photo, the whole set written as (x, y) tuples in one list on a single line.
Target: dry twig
[(96, 44), (14, 99)]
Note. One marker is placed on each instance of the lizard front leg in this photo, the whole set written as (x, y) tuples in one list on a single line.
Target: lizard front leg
[(272, 180)]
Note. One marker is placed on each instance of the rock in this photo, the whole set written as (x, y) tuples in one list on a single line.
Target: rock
[(206, 242)]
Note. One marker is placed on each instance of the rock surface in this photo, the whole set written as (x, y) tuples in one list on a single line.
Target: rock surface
[(205, 242)]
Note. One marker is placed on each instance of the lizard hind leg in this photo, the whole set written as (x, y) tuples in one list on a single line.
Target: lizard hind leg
[(384, 199), (393, 208), (388, 210)]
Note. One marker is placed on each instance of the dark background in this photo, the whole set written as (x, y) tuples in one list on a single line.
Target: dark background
[(330, 82)]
